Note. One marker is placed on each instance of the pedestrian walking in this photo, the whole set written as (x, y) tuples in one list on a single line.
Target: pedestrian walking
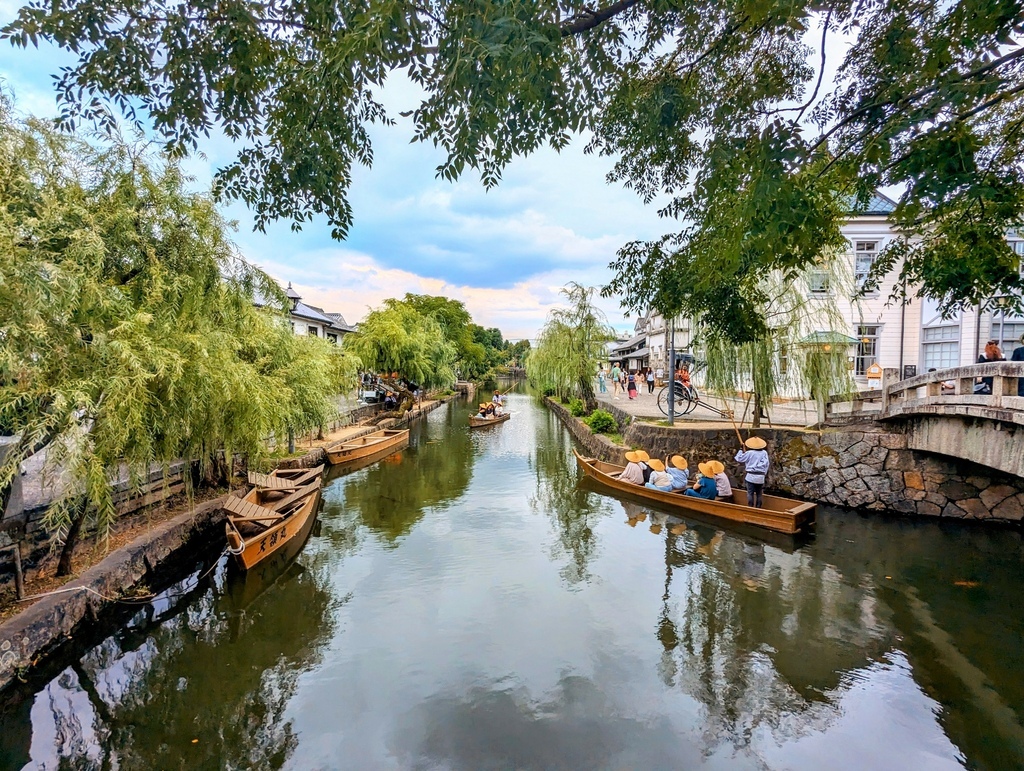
[(616, 374), (600, 382), (631, 385), (650, 380)]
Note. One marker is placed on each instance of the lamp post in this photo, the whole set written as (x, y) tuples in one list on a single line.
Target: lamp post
[(672, 374)]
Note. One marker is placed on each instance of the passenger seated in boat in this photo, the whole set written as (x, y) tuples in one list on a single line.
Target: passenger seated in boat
[(644, 459), (721, 480), (676, 467), (659, 479), (486, 409), (633, 472), (705, 486)]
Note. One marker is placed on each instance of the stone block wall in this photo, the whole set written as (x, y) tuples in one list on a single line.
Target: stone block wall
[(863, 466)]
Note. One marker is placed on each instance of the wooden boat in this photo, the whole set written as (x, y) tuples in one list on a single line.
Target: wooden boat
[(280, 508), (475, 421), (783, 515), (373, 446)]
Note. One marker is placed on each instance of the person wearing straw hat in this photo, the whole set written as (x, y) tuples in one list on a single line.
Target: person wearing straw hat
[(645, 460), (721, 479), (705, 487), (633, 472), (677, 468), (754, 456), (659, 479)]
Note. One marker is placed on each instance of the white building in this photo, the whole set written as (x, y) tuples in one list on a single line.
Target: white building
[(314, 321)]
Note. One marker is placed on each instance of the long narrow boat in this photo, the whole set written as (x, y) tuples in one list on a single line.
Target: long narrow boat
[(475, 421), (280, 508), (783, 515), (374, 446)]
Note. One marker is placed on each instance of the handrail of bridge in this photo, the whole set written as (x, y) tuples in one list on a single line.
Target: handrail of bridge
[(945, 391)]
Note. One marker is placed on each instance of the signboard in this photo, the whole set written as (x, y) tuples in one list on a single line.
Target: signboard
[(909, 370), (875, 372)]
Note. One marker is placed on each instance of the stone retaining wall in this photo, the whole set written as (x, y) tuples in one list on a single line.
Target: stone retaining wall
[(40, 630), (596, 445), (863, 466)]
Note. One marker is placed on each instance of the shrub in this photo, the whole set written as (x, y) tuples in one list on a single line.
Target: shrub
[(549, 391), (601, 422), (577, 408)]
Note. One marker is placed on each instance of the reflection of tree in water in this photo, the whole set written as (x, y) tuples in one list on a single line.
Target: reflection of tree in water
[(573, 510), (200, 681), (761, 635), (391, 496)]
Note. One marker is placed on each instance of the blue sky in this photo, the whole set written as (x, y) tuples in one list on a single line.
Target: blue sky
[(505, 252)]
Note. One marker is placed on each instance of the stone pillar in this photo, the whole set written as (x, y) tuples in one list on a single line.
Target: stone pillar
[(890, 376)]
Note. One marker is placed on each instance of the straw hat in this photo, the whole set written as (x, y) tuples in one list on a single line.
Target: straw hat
[(656, 528), (679, 462), (705, 469), (632, 457), (756, 443), (656, 464), (717, 467), (643, 455)]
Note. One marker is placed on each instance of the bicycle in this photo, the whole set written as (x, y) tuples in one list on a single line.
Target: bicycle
[(685, 399)]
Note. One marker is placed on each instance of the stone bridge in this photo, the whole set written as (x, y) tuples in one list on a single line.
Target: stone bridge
[(941, 413)]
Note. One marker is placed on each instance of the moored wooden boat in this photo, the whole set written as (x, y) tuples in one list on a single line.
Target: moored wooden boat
[(783, 515), (374, 446), (475, 421), (280, 508)]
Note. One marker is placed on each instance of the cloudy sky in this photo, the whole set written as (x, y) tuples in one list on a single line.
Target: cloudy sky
[(505, 253)]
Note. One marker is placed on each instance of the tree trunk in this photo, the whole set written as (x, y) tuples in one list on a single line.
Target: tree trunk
[(755, 421), (64, 566), (587, 394)]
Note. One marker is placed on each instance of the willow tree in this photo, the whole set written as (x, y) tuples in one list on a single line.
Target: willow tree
[(128, 333), (399, 338), (571, 346), (800, 351)]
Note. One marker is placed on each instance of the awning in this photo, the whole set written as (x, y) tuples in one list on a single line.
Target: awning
[(639, 353)]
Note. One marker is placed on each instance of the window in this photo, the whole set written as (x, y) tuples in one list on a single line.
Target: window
[(783, 360), (863, 258), (313, 331), (1007, 330), (867, 349), (1018, 249), (817, 281), (941, 346)]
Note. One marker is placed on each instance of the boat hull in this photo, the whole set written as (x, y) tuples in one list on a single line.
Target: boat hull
[(254, 549), (781, 515), (368, 448), (478, 422)]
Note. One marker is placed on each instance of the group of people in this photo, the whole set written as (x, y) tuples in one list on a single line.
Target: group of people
[(711, 482), (630, 381), (495, 408), (993, 352)]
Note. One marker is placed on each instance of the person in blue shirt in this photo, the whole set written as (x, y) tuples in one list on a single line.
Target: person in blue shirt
[(706, 487), (677, 468), (755, 458)]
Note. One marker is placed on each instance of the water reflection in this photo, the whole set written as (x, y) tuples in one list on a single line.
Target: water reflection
[(469, 605), (198, 679)]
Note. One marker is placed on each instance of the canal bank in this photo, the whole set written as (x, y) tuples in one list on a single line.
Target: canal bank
[(471, 604), (146, 564), (860, 466)]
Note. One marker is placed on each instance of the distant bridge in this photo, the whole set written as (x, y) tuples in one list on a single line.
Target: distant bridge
[(944, 415)]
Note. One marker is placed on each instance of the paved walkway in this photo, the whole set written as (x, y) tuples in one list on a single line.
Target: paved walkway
[(646, 406)]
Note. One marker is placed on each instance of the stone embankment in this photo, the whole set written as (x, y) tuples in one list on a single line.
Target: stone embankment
[(862, 466)]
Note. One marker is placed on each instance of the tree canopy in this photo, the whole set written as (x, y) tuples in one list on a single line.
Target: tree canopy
[(128, 331), (399, 338), (721, 109)]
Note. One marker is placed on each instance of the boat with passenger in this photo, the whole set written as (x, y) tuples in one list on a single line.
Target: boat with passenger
[(782, 515)]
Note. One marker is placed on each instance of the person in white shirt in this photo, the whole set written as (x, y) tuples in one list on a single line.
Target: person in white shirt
[(755, 458), (721, 479), (659, 479)]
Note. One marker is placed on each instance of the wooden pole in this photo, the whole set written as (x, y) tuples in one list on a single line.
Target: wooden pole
[(734, 428), (19, 576)]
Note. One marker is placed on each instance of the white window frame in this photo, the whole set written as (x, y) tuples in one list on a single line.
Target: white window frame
[(950, 339), (860, 363), (867, 250)]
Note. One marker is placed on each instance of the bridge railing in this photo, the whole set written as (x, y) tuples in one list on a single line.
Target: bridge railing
[(944, 389)]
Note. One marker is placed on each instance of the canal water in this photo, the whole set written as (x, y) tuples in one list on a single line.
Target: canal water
[(469, 604)]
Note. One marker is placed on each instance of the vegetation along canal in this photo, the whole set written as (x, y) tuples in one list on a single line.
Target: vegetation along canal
[(468, 604)]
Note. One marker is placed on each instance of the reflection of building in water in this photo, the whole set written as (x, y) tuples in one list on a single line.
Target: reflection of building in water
[(198, 679)]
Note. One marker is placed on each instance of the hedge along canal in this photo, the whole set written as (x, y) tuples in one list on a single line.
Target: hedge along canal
[(469, 604)]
